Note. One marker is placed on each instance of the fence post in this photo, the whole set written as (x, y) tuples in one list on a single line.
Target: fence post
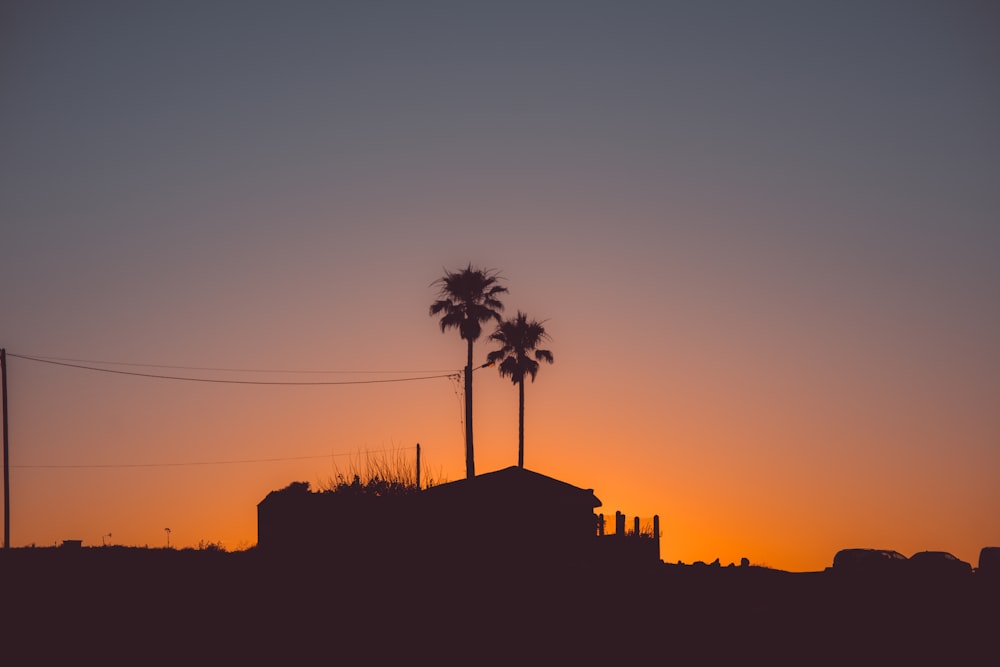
[(635, 530), (656, 534), (619, 524)]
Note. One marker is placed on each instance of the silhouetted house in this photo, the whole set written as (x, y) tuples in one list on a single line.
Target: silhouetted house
[(513, 513), (508, 513), (510, 518)]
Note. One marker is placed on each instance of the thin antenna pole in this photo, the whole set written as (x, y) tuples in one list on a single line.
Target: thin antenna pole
[(6, 457), (418, 466)]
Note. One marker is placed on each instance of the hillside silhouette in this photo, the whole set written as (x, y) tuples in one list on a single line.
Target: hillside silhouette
[(455, 593)]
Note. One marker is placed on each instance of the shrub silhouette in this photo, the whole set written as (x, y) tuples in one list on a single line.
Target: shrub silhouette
[(382, 473)]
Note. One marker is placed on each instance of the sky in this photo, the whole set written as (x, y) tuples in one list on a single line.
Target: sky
[(763, 237)]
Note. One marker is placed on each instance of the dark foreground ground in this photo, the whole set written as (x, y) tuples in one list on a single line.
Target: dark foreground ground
[(153, 606)]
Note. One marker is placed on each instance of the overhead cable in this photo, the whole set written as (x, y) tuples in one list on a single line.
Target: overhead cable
[(224, 381), (38, 357), (189, 463)]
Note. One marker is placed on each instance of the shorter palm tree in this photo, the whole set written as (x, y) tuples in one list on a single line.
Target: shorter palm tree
[(519, 355)]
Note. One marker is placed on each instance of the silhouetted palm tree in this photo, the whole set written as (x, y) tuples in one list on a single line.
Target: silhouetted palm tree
[(468, 299), (519, 338)]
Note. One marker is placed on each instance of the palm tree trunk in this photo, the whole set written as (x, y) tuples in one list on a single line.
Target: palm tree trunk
[(470, 464), (520, 424)]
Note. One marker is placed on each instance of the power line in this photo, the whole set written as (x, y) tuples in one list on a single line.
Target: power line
[(188, 463), (39, 357), (223, 381), (167, 465)]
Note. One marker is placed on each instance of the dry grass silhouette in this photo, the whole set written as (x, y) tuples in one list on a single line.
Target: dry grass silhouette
[(379, 473)]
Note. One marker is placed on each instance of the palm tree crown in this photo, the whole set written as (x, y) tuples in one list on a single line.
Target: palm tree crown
[(519, 356), (468, 299)]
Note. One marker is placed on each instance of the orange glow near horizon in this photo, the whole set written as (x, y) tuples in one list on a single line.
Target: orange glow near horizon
[(198, 458)]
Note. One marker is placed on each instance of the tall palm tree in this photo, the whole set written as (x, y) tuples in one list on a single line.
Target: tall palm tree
[(468, 299), (519, 356)]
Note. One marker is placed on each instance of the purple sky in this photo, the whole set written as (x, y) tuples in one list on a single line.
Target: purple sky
[(765, 238)]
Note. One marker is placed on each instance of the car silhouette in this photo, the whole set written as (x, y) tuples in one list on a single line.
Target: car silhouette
[(869, 561), (989, 563), (938, 564)]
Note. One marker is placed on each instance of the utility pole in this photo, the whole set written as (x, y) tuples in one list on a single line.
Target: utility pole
[(418, 466), (6, 457)]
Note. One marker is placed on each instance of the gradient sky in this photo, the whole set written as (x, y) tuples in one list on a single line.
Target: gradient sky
[(764, 237)]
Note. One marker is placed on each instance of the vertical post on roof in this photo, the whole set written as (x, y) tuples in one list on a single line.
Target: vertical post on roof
[(418, 466), (635, 524), (6, 459), (656, 534)]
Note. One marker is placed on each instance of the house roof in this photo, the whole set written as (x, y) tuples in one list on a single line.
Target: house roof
[(515, 483)]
